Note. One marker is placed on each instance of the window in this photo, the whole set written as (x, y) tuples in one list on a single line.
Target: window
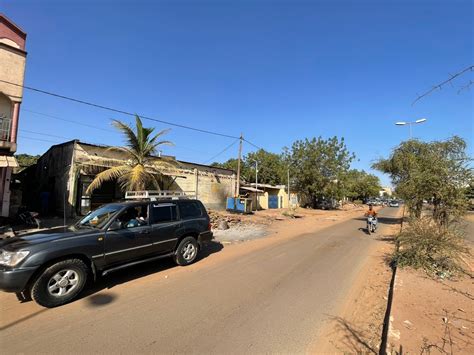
[(134, 216), (163, 213), (190, 209)]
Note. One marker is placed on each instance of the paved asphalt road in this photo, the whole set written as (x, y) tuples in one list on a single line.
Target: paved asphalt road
[(274, 299)]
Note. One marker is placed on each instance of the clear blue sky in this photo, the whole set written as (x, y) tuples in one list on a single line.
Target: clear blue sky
[(276, 71)]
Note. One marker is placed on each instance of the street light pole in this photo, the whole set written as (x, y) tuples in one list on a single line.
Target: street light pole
[(403, 123)]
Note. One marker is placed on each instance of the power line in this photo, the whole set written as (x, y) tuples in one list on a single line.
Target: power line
[(67, 120), (256, 146), (44, 134), (38, 139), (224, 150), (117, 110)]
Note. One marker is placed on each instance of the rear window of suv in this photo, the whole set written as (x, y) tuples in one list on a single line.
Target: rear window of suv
[(190, 209), (162, 213)]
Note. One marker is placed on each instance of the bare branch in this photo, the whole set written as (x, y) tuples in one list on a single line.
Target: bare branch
[(440, 86), (466, 87)]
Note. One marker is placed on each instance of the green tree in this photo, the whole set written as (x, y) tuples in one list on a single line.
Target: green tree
[(359, 184), (271, 167), (142, 168), (318, 167), (26, 160), (435, 171)]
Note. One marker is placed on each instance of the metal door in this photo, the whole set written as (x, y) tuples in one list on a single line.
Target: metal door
[(273, 201)]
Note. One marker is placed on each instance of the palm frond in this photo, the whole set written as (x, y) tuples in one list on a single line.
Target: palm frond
[(110, 174), (129, 134)]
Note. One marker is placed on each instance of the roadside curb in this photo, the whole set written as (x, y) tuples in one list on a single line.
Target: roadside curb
[(388, 318)]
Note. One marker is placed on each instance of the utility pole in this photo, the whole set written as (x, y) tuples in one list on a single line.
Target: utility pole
[(256, 185), (289, 198), (237, 185)]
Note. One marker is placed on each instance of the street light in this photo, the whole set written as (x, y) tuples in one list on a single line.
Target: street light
[(403, 123)]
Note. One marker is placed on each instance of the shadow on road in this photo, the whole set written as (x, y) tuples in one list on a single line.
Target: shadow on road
[(350, 338), (9, 325), (136, 272)]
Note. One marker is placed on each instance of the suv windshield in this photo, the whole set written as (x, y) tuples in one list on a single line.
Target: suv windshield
[(99, 217)]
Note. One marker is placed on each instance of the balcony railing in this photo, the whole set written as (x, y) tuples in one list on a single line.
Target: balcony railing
[(5, 128)]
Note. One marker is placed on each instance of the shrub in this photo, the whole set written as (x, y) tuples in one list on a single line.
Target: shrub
[(437, 249)]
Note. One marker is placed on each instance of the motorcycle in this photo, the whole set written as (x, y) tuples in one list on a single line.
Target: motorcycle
[(371, 224)]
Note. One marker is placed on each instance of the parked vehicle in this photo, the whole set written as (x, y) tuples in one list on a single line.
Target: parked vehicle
[(371, 224), (52, 266), (394, 203)]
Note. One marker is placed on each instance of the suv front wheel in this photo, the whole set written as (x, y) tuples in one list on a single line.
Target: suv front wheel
[(60, 283), (186, 252)]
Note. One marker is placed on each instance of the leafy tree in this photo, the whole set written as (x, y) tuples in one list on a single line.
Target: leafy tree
[(271, 167), (142, 169), (318, 167), (436, 171), (26, 160), (360, 185)]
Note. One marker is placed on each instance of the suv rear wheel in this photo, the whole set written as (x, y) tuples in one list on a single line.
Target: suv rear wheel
[(60, 283), (186, 252)]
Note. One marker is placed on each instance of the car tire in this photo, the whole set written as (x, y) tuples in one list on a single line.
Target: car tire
[(60, 283), (186, 252)]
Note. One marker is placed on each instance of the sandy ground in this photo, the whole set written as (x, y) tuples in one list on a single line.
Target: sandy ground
[(434, 316), (268, 222), (358, 327)]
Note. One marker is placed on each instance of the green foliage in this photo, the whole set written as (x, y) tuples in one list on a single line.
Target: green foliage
[(436, 171), (271, 167), (26, 160), (360, 185), (318, 167), (142, 169), (437, 249)]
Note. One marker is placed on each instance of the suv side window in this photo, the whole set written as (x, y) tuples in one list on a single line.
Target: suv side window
[(190, 209), (162, 213), (134, 216)]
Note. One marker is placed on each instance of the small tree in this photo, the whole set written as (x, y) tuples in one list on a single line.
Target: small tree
[(437, 172), (142, 169), (318, 167)]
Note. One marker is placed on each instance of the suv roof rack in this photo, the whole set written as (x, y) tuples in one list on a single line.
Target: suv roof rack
[(154, 195)]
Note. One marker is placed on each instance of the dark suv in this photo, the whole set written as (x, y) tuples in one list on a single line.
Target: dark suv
[(53, 266)]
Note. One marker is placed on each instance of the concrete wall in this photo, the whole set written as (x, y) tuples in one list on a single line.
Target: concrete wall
[(53, 172), (210, 185), (12, 69)]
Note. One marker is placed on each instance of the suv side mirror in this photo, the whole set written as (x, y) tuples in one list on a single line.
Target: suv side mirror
[(116, 225)]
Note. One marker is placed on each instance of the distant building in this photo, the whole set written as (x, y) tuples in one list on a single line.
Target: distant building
[(386, 192), (12, 70), (59, 180), (265, 196)]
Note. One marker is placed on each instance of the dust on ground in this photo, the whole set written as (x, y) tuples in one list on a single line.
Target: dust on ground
[(358, 327), (244, 227), (432, 315)]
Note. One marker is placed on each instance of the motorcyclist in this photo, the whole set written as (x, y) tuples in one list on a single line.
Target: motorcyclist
[(371, 212)]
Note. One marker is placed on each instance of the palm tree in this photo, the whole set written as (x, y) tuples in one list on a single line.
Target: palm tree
[(142, 168)]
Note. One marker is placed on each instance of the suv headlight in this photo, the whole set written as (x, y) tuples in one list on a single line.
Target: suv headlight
[(12, 258)]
